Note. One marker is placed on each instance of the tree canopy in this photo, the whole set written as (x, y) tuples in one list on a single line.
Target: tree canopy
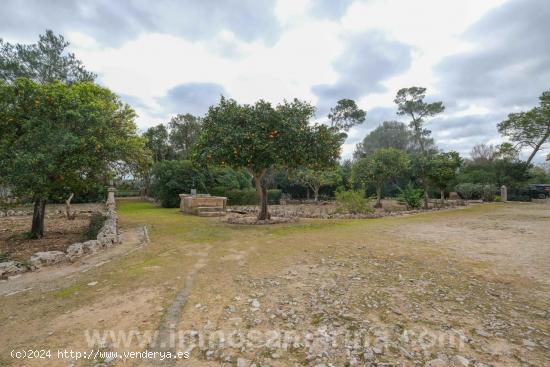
[(531, 128), (391, 134), (61, 137), (345, 115), (443, 169), (184, 130), (378, 167), (259, 137), (410, 102), (315, 179), (157, 140), (45, 61)]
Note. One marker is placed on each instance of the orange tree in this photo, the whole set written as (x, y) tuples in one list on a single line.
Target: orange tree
[(57, 137), (259, 137)]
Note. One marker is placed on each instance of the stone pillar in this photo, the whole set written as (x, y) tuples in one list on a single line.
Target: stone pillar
[(503, 193), (111, 197)]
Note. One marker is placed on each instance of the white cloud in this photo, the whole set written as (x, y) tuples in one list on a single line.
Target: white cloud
[(148, 64)]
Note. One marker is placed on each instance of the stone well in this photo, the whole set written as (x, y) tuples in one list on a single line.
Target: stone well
[(203, 205)]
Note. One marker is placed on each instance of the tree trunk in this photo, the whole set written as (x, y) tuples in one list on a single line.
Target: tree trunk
[(261, 190), (537, 147), (307, 193), (442, 196), (37, 229), (68, 208), (378, 196), (316, 194)]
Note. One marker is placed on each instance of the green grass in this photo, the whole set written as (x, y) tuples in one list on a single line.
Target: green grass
[(67, 292)]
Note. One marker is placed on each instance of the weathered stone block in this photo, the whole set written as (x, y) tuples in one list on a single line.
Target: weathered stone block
[(47, 258)]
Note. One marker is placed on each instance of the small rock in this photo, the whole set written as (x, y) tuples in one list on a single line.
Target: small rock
[(91, 284), (241, 362), (437, 363), (461, 361)]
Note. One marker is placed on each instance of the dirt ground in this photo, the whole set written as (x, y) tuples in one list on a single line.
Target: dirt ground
[(465, 287), (59, 232)]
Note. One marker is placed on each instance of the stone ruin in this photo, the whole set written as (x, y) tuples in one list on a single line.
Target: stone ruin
[(203, 205), (107, 237)]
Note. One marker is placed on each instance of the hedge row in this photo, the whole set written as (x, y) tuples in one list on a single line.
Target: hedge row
[(246, 196)]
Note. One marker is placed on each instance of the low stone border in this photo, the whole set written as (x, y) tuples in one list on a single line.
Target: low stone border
[(28, 212), (107, 237), (290, 212), (254, 220)]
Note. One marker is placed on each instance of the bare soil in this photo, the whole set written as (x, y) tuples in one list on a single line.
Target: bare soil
[(60, 233), (461, 287)]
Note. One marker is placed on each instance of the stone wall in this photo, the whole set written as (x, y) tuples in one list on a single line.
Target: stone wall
[(107, 237)]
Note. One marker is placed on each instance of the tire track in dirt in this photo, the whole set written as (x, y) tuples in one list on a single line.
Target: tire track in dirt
[(165, 337)]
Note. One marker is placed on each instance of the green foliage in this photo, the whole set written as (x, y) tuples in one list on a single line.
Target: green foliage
[(63, 137), (97, 220), (345, 115), (242, 197), (531, 128), (488, 192), (352, 201), (443, 168), (315, 179), (274, 196), (344, 170), (411, 196), (410, 102), (378, 167), (3, 257), (226, 178), (184, 130), (44, 62), (259, 137), (469, 191), (513, 174), (172, 178), (157, 142), (391, 134)]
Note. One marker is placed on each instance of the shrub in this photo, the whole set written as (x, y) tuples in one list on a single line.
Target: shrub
[(242, 197), (352, 202), (171, 178), (96, 222), (274, 196), (488, 192), (411, 196), (469, 190)]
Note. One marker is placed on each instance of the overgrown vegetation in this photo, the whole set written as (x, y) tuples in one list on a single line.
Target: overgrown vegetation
[(411, 196), (352, 202), (97, 220)]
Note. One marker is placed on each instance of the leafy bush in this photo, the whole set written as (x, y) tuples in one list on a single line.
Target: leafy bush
[(127, 193), (274, 196), (488, 192), (352, 202), (411, 196), (469, 191), (172, 178), (242, 197), (96, 222)]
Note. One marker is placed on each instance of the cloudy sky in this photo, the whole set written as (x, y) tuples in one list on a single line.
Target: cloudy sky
[(483, 59)]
